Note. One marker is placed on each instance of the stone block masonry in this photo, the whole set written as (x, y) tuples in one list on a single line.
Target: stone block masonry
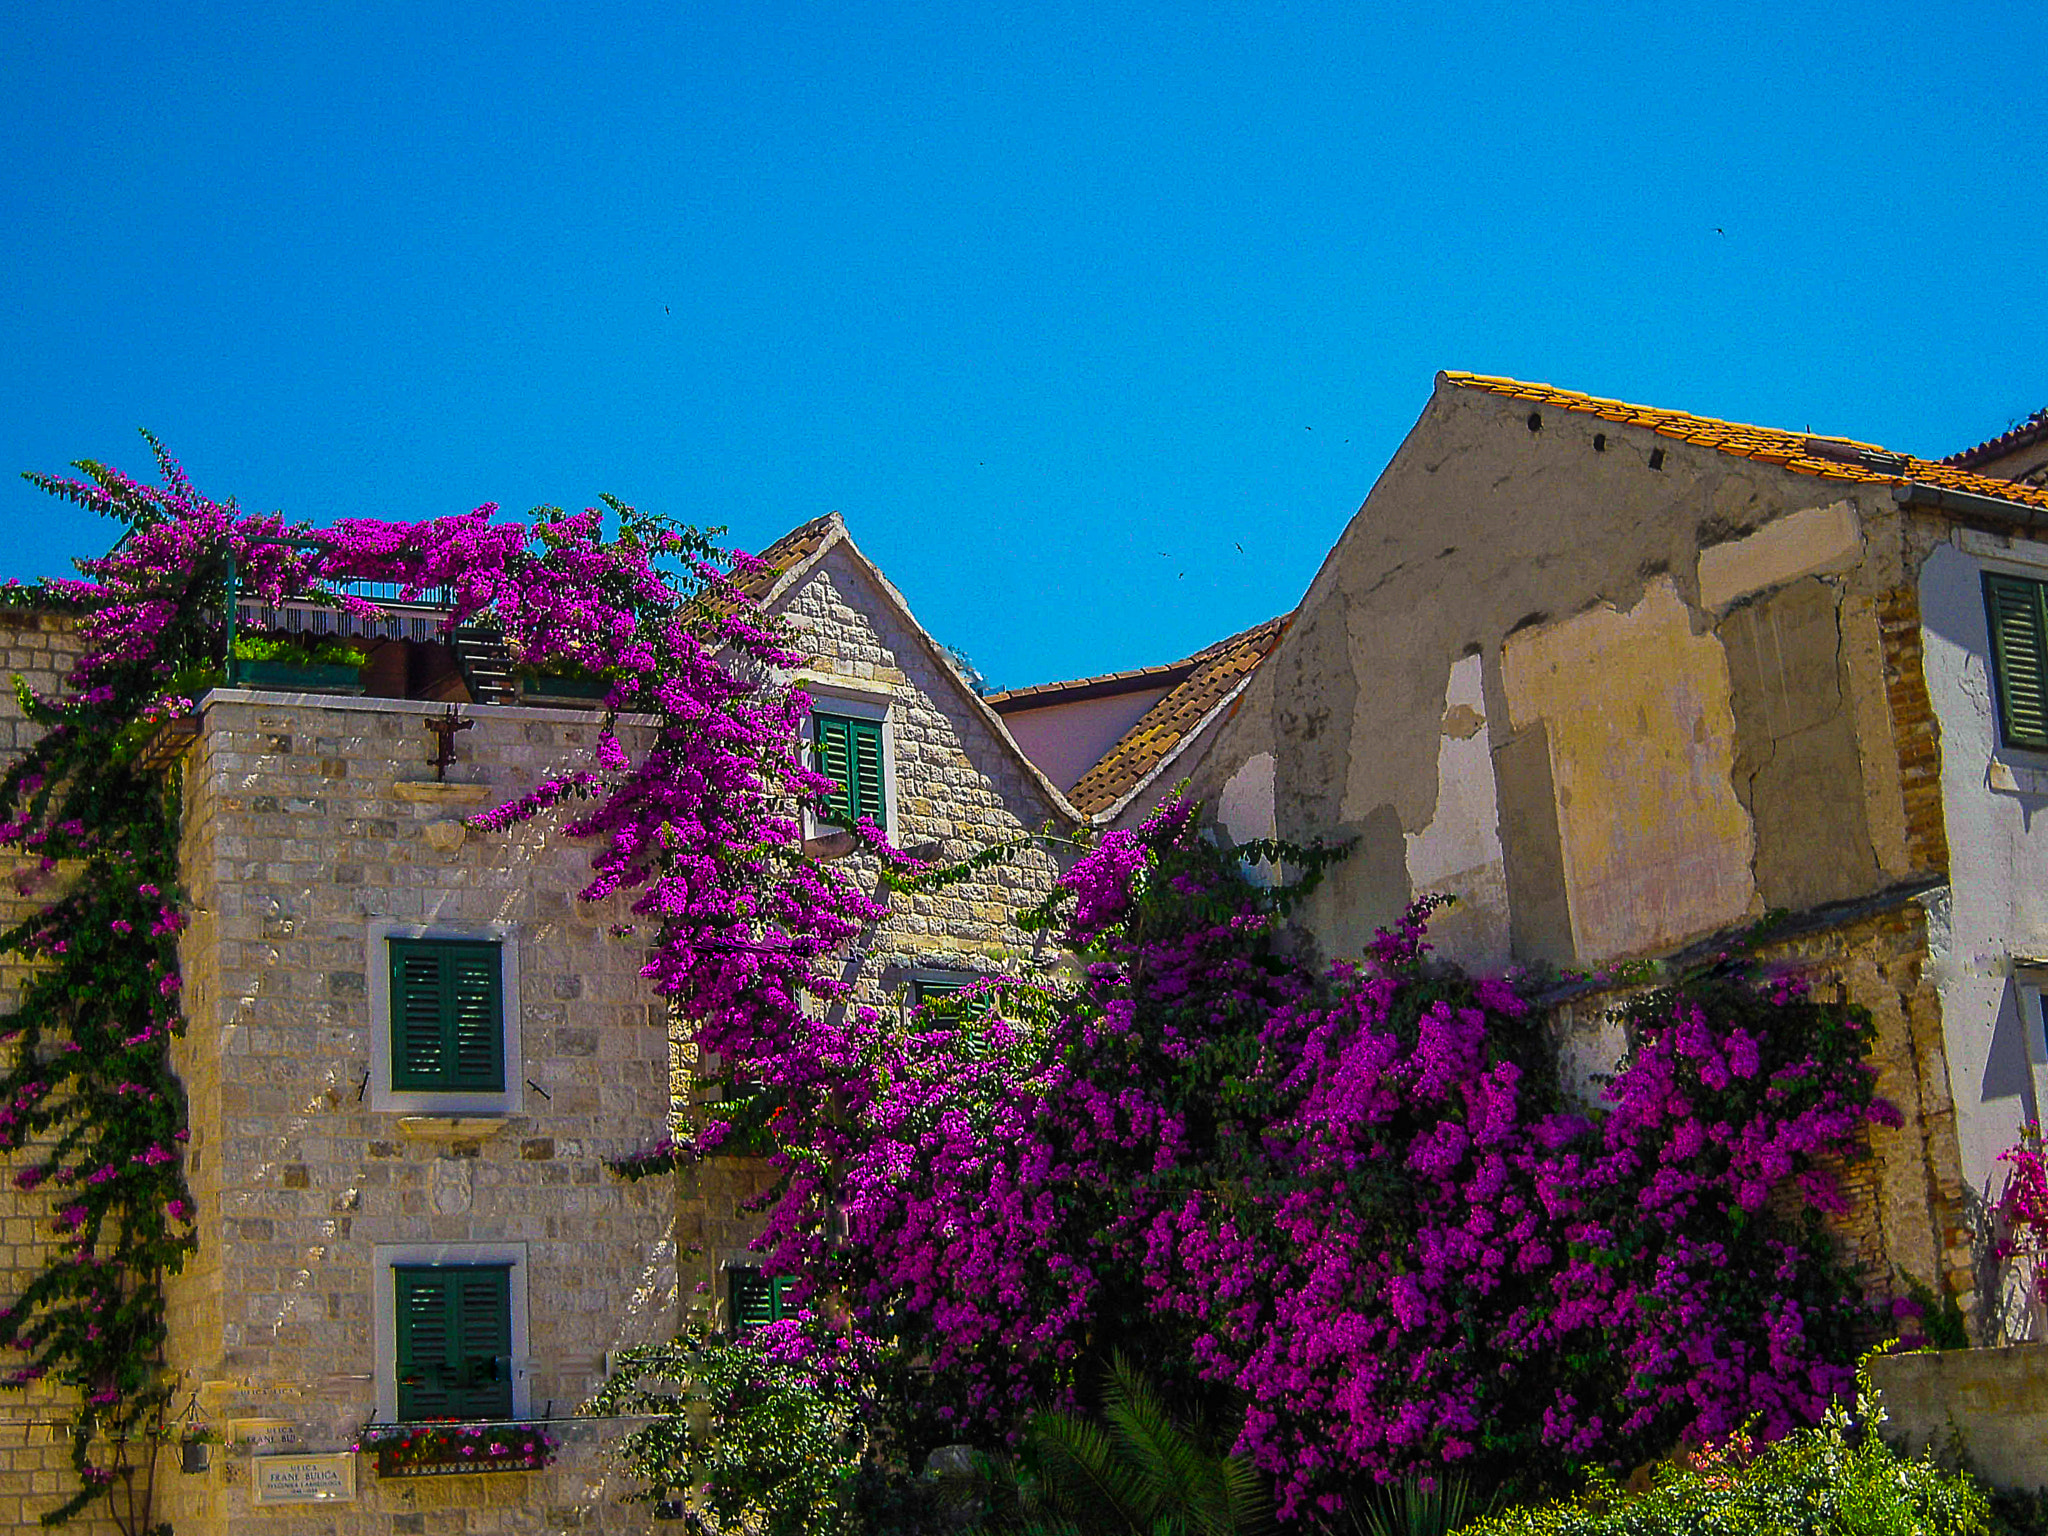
[(312, 830), (35, 1456), (959, 785)]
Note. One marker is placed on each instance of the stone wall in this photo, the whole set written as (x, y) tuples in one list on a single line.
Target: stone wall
[(959, 787), (35, 1459), (307, 821), (1985, 1407)]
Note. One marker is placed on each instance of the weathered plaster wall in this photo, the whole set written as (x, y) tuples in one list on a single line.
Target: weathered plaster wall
[(1993, 799), (1676, 657), (306, 821)]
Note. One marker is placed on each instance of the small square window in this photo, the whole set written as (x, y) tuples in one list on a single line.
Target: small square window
[(755, 1298), (448, 1321), (447, 1017), (849, 749), (444, 1019)]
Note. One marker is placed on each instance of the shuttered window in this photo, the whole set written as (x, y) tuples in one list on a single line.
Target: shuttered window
[(757, 1298), (850, 752), (447, 1017), (454, 1341), (2018, 611)]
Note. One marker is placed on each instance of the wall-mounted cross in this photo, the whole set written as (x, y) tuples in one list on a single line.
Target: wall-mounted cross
[(444, 727)]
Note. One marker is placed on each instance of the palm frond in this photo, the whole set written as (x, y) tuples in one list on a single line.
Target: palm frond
[(1082, 1477)]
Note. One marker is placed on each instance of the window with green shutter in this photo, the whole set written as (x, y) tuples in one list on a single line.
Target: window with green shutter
[(849, 751), (454, 1341), (757, 1298), (447, 1016), (2018, 612)]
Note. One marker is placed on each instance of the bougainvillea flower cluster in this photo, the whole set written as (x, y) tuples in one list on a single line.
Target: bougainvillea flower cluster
[(1358, 1205)]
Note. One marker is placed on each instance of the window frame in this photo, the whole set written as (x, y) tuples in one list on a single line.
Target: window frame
[(879, 708), (2037, 582), (384, 1095), (388, 1258)]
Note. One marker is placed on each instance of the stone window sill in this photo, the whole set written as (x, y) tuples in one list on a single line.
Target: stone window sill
[(451, 1127)]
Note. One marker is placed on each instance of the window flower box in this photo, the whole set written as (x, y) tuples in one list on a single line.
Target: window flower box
[(294, 666), (580, 690), (447, 1450), (287, 677)]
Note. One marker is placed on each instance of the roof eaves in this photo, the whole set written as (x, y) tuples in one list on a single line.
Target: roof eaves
[(2033, 430), (1107, 685), (1800, 453), (938, 653), (1187, 739)]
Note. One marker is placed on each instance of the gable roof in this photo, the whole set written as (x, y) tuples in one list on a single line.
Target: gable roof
[(1832, 458), (792, 549), (797, 553), (1107, 685), (1209, 680), (2033, 430)]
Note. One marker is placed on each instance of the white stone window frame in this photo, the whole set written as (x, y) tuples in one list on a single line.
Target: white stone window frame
[(837, 696), (387, 1257), (384, 1099)]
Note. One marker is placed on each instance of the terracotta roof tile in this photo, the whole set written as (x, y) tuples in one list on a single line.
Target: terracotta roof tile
[(1042, 695), (793, 548), (1830, 458), (1213, 672), (2032, 430)]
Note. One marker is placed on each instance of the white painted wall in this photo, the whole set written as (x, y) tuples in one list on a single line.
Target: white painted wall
[(1995, 803)]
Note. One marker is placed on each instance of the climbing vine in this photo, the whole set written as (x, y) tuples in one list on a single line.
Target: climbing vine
[(702, 823)]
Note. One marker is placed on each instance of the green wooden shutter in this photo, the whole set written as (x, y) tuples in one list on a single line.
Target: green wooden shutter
[(866, 736), (850, 752), (447, 1017), (426, 1345), (477, 1018), (419, 1050), (758, 1298), (752, 1298), (483, 1304), (2018, 612), (835, 761), (454, 1341)]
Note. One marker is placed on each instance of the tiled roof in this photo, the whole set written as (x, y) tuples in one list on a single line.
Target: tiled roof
[(1041, 695), (2033, 430), (793, 548), (1831, 458), (1212, 673)]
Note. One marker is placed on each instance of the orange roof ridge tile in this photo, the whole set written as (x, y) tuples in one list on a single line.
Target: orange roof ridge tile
[(1805, 453)]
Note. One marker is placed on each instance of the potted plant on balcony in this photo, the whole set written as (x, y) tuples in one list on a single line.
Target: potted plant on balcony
[(309, 665), (559, 683), (443, 1450)]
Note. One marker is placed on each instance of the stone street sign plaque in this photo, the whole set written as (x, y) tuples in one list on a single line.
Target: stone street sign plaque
[(303, 1479)]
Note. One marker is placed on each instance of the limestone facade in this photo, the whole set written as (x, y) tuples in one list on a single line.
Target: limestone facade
[(314, 836), (957, 783)]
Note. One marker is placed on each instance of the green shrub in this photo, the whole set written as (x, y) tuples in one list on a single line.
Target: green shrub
[(300, 653), (1835, 1479)]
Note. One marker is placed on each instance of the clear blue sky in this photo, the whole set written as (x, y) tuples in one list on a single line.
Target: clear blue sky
[(1031, 293)]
